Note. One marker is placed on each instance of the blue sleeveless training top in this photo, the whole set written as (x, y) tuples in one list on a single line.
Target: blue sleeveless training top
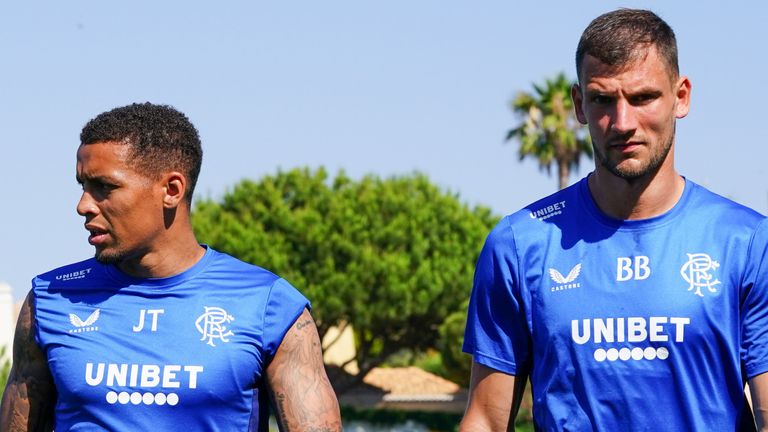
[(184, 353)]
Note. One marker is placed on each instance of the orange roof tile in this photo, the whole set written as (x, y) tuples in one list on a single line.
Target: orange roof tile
[(405, 381)]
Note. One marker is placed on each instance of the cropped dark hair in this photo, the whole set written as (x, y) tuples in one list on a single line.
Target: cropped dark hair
[(160, 138), (617, 38)]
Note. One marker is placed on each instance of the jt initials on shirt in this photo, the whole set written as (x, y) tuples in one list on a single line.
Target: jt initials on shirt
[(154, 312)]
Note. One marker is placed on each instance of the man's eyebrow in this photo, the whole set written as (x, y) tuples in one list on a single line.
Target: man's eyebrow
[(593, 90), (86, 177), (646, 90), (592, 94)]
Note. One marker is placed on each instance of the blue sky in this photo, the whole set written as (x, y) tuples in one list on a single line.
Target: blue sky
[(369, 87)]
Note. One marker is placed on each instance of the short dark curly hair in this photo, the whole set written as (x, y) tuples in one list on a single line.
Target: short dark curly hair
[(161, 139), (622, 36)]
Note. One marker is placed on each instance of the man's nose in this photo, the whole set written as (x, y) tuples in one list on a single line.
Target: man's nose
[(624, 117), (86, 205)]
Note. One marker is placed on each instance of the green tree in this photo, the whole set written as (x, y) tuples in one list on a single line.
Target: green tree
[(456, 363), (391, 257), (5, 369), (549, 130)]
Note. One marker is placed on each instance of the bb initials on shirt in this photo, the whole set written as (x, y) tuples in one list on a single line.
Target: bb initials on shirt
[(628, 268), (154, 312)]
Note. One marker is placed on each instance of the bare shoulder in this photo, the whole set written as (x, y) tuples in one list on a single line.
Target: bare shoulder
[(299, 386), (30, 394), (28, 359), (25, 332)]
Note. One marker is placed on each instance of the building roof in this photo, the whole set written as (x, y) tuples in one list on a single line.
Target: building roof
[(404, 384)]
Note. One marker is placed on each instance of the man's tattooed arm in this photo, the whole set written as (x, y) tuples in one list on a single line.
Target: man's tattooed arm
[(30, 394), (301, 393)]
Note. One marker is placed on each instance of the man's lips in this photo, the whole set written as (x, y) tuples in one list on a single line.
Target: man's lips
[(98, 235), (625, 147)]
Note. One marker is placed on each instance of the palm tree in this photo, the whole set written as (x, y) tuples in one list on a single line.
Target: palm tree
[(549, 130)]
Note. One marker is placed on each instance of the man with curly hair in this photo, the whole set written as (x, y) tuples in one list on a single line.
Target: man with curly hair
[(159, 332)]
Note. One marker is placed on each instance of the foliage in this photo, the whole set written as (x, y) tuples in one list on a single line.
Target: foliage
[(430, 360), (5, 369), (456, 363), (549, 130), (392, 257), (523, 421), (435, 421)]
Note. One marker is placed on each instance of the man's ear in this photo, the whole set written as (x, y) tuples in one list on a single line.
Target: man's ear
[(683, 96), (174, 189), (577, 100)]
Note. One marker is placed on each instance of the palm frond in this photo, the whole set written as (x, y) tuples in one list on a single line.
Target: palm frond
[(548, 129)]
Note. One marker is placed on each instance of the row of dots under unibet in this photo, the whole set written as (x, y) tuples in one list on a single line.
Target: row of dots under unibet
[(625, 354), (137, 398)]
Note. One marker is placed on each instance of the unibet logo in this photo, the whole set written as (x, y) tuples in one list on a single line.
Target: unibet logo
[(548, 211), (633, 330), (637, 269), (80, 274), (148, 376)]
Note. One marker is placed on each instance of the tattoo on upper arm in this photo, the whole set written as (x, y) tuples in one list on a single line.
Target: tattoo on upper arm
[(300, 389), (303, 324), (30, 395)]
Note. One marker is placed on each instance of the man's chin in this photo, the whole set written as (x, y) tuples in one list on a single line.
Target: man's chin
[(628, 169), (107, 257), (628, 174)]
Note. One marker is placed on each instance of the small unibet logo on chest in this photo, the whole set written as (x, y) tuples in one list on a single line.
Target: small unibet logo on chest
[(547, 212), (80, 274)]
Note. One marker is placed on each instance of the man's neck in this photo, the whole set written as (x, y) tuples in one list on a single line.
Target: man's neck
[(640, 198), (169, 255)]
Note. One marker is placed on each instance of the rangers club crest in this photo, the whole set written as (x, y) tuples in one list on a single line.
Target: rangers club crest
[(698, 273)]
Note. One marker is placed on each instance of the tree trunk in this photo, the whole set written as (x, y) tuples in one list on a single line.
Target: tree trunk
[(340, 328), (562, 174)]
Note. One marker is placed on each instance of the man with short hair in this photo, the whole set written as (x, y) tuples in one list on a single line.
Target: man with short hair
[(635, 299), (158, 332)]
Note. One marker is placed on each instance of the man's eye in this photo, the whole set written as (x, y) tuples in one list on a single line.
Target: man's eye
[(100, 188), (601, 99), (643, 98)]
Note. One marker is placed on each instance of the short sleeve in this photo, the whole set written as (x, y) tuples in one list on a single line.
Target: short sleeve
[(283, 307), (497, 334), (754, 307)]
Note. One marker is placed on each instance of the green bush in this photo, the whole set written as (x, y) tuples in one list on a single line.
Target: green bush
[(434, 421), (392, 257), (5, 369), (456, 363)]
